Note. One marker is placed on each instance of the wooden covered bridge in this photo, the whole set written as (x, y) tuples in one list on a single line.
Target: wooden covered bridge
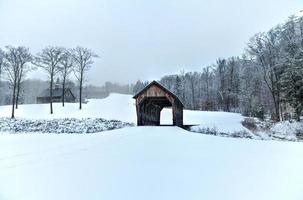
[(151, 100)]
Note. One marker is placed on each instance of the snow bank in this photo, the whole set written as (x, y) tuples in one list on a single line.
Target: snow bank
[(148, 163), (69, 125), (287, 130)]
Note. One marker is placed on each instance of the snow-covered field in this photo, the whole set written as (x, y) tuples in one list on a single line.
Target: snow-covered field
[(136, 163), (148, 163), (116, 106)]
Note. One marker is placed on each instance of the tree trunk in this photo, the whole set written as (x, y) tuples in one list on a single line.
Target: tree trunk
[(51, 94), (298, 113), (14, 99), (63, 91), (19, 86), (17, 96), (193, 94), (80, 91), (227, 103)]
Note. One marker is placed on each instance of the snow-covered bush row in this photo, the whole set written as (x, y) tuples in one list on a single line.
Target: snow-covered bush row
[(69, 125), (289, 130), (262, 130), (214, 131)]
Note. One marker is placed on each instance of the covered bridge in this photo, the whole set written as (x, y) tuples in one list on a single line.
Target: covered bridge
[(151, 100)]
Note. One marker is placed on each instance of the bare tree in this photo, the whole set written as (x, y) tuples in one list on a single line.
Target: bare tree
[(25, 57), (207, 74), (11, 68), (66, 67), (1, 63), (192, 81), (1, 72), (83, 58), (221, 71), (49, 60), (266, 50), (206, 78), (16, 59)]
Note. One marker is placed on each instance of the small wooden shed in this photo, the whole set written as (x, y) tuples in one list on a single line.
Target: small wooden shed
[(151, 100)]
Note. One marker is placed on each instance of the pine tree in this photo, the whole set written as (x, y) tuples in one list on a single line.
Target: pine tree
[(292, 85)]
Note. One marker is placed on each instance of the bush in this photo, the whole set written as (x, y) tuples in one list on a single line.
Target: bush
[(69, 125), (249, 123), (255, 111)]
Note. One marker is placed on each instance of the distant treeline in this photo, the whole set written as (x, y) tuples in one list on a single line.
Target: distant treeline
[(266, 79)]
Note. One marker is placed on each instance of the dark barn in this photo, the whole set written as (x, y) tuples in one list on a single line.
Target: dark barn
[(151, 100), (57, 96)]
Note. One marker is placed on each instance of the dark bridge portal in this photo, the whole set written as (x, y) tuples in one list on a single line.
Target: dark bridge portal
[(151, 108), (151, 100)]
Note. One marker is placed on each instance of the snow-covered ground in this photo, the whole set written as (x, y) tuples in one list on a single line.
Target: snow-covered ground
[(136, 163), (148, 163), (116, 106)]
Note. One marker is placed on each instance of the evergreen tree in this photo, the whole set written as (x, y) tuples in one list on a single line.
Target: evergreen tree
[(292, 85)]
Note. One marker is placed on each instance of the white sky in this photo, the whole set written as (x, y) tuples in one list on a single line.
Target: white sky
[(141, 39)]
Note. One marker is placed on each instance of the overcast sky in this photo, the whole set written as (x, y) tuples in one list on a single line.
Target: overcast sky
[(141, 39)]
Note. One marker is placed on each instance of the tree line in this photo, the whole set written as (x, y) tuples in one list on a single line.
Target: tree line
[(17, 62), (266, 79)]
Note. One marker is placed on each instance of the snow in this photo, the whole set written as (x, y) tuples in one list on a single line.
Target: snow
[(136, 163), (116, 106), (221, 121), (148, 163)]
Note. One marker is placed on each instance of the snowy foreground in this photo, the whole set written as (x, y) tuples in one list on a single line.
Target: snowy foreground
[(148, 163)]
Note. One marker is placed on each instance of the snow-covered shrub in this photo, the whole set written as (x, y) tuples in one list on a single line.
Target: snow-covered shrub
[(254, 111), (209, 131), (214, 131), (287, 130), (68, 125), (258, 129), (287, 116), (249, 123)]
